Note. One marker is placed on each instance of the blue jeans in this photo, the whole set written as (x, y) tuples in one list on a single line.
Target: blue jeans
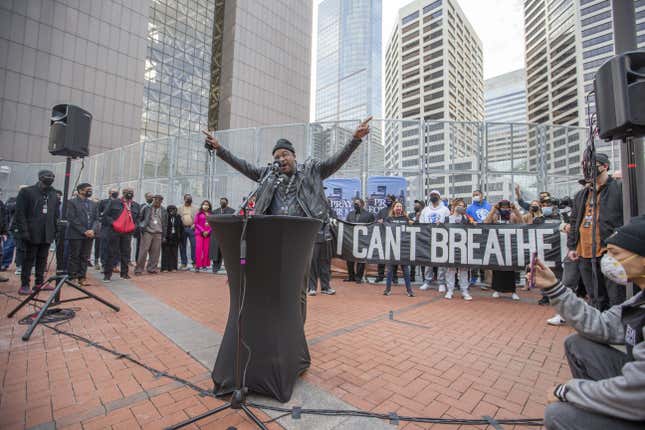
[(189, 234), (390, 275)]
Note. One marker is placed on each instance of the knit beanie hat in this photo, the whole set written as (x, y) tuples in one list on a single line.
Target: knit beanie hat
[(631, 236), (284, 144)]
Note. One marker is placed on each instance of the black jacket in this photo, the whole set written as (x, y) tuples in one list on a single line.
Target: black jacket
[(383, 213), (114, 208), (31, 224), (363, 217), (171, 237), (79, 218), (309, 185), (10, 213), (3, 218), (610, 212)]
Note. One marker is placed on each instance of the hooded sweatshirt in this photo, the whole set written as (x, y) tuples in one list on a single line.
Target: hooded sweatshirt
[(479, 210)]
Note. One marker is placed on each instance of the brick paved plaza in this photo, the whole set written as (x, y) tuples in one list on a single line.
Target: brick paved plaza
[(436, 358)]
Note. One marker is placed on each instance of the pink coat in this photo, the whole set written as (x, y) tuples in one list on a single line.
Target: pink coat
[(201, 223)]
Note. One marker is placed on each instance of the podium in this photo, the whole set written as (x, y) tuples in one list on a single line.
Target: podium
[(278, 255)]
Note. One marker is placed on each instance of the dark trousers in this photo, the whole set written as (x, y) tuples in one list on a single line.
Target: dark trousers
[(355, 271), (20, 252), (119, 248), (606, 293), (35, 253), (137, 245), (593, 361), (169, 256), (61, 261), (187, 235), (79, 254), (217, 260), (320, 266), (97, 250), (8, 248)]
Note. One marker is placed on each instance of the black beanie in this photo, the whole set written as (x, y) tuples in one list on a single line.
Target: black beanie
[(631, 236), (284, 144)]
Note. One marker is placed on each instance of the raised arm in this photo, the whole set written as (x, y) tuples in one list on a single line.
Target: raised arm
[(331, 165), (252, 172)]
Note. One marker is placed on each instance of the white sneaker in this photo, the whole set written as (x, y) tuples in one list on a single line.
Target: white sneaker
[(448, 295), (556, 320), (515, 296), (442, 288), (424, 287), (495, 295), (467, 296)]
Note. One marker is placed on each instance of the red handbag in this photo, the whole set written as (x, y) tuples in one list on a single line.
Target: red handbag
[(124, 223)]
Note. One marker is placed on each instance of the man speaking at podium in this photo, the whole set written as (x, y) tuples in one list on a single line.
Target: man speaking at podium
[(296, 189)]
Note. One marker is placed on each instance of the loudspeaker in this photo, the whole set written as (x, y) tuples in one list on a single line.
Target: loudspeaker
[(620, 96), (69, 131)]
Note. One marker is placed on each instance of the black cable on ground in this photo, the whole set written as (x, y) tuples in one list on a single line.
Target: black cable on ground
[(52, 315), (296, 411)]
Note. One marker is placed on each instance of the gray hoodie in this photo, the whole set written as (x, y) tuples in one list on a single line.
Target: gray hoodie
[(622, 396)]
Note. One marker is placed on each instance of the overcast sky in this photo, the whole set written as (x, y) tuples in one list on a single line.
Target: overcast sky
[(498, 23)]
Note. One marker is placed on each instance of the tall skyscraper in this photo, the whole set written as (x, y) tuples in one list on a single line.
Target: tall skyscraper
[(505, 97), (149, 69), (348, 82), (433, 71), (566, 41)]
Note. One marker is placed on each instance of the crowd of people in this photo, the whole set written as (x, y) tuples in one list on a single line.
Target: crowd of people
[(163, 237)]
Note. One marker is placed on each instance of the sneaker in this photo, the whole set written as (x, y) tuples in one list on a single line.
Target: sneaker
[(515, 296), (45, 287), (183, 267), (496, 295), (442, 288), (18, 271), (425, 286), (483, 287), (328, 292), (97, 267), (448, 295), (556, 320), (126, 276), (311, 293), (387, 292), (107, 279), (467, 296), (24, 290), (410, 294), (379, 279), (544, 301)]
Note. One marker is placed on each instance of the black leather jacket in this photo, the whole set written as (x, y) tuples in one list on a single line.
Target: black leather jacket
[(309, 184), (610, 212)]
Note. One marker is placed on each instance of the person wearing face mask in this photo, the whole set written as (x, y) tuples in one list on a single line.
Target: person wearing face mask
[(149, 198), (533, 214), (380, 217), (100, 243), (608, 216), (478, 210), (36, 225), (172, 236), (607, 354), (82, 215), (119, 243), (458, 216), (215, 253), (187, 212), (504, 212), (359, 215), (153, 220), (435, 213), (398, 217), (202, 236)]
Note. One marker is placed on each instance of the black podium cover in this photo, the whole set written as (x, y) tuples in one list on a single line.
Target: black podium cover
[(279, 250)]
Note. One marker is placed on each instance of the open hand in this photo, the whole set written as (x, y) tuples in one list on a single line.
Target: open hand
[(363, 129), (211, 141)]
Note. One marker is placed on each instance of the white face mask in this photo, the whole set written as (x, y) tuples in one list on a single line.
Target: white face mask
[(476, 199), (613, 269)]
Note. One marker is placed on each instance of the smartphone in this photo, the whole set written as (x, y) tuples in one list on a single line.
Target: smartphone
[(532, 271)]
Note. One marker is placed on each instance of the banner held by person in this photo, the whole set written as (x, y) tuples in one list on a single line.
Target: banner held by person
[(499, 247)]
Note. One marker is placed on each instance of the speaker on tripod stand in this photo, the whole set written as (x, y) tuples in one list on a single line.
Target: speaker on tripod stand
[(69, 131)]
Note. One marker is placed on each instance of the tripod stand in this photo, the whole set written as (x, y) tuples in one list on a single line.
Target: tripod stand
[(61, 278), (238, 396)]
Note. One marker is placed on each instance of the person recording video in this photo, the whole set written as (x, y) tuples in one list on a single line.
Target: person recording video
[(36, 225)]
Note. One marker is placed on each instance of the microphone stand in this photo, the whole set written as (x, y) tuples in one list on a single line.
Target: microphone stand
[(238, 396)]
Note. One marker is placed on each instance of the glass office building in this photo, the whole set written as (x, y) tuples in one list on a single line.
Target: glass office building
[(177, 67), (348, 84)]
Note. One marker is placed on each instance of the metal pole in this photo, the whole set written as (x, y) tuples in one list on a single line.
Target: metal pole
[(632, 156)]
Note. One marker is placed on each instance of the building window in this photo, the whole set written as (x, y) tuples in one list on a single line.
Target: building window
[(410, 18), (432, 6)]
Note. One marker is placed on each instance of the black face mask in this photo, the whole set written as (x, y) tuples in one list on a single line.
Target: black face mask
[(114, 195), (189, 201), (535, 208), (223, 204), (88, 194), (172, 212), (357, 207), (128, 196), (505, 214), (149, 201), (388, 203), (434, 199)]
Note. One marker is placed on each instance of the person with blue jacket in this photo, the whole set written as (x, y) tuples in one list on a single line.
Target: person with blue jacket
[(479, 208)]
